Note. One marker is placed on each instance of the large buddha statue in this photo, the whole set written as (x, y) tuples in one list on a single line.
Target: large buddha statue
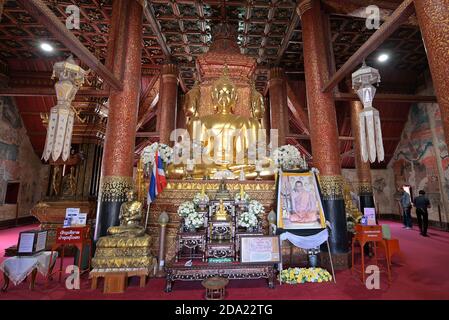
[(224, 137)]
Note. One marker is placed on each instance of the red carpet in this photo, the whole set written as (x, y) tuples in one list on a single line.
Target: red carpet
[(420, 274)]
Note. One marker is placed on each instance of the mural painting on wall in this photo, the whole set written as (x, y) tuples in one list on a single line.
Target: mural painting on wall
[(415, 161)]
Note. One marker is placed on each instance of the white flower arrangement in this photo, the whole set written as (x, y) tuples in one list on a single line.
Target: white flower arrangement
[(288, 156), (200, 198), (256, 208), (238, 198), (247, 220), (186, 208), (164, 151), (195, 220)]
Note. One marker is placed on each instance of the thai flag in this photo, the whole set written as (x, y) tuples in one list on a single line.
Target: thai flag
[(157, 181)]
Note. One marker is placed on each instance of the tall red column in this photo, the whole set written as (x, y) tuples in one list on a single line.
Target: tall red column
[(167, 102), (323, 126), (278, 103), (118, 156), (365, 188), (433, 19)]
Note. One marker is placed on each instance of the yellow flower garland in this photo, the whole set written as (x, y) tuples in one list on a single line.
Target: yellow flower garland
[(303, 275)]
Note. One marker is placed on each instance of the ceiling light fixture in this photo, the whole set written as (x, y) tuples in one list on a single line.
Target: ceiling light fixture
[(46, 47), (383, 57)]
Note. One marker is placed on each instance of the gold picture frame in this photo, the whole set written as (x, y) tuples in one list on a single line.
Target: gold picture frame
[(299, 203)]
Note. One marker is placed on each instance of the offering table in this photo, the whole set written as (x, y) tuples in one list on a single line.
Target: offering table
[(178, 271)]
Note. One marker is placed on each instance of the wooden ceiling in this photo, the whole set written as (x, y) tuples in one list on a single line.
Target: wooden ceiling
[(269, 31)]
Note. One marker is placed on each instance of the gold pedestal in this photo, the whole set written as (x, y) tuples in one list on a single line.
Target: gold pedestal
[(123, 252)]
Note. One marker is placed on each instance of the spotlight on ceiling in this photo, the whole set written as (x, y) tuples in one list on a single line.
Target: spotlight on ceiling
[(383, 57), (46, 47)]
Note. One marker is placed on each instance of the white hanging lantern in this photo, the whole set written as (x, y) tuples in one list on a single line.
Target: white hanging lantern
[(371, 144), (61, 120)]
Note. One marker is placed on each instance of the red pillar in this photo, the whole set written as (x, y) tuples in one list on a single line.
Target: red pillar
[(118, 156), (433, 19), (167, 102), (364, 188), (278, 103), (323, 126)]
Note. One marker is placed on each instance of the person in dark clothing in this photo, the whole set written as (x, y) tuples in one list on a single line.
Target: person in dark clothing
[(421, 204), (406, 205)]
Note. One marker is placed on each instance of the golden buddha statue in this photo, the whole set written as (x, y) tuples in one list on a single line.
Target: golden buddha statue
[(191, 104), (130, 218), (222, 213)]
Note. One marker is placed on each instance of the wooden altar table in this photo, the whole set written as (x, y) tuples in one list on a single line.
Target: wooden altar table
[(177, 271)]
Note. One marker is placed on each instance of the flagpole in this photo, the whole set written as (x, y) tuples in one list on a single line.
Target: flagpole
[(148, 204), (148, 214)]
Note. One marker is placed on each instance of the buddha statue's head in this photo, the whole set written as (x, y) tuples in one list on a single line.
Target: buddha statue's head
[(224, 94), (131, 195)]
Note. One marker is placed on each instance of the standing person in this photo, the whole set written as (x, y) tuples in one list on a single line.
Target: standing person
[(406, 205), (421, 204)]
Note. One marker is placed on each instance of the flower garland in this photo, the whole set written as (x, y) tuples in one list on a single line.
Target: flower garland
[(191, 218), (288, 156), (165, 152), (195, 220), (186, 208), (250, 218), (256, 208), (239, 198), (247, 220), (200, 198), (303, 275)]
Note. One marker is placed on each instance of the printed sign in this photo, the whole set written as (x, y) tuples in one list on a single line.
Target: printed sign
[(370, 215), (70, 235), (256, 249)]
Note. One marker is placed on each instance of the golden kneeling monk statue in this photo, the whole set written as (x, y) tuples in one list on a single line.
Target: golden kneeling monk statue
[(130, 218), (127, 246)]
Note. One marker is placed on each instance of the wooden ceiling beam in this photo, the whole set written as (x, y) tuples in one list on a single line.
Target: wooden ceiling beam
[(387, 97), (399, 16), (288, 36), (39, 10), (149, 15), (147, 134), (297, 108), (341, 138), (50, 91)]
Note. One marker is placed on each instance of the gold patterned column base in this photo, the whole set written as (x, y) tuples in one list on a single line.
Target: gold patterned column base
[(365, 188), (331, 187), (114, 188)]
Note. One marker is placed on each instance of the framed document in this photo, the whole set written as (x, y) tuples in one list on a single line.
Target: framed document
[(32, 242), (257, 249)]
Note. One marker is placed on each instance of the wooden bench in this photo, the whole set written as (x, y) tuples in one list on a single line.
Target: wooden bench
[(116, 280)]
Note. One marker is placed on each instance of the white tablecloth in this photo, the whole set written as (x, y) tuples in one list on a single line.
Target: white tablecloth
[(18, 268)]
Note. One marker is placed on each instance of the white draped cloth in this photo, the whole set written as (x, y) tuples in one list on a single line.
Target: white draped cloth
[(19, 267), (308, 242)]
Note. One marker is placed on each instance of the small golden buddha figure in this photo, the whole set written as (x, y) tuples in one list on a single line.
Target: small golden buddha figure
[(130, 218), (222, 213)]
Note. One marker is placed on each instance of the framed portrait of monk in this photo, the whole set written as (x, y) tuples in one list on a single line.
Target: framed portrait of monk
[(299, 203)]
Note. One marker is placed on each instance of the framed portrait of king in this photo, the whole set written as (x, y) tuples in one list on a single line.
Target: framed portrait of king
[(299, 203)]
